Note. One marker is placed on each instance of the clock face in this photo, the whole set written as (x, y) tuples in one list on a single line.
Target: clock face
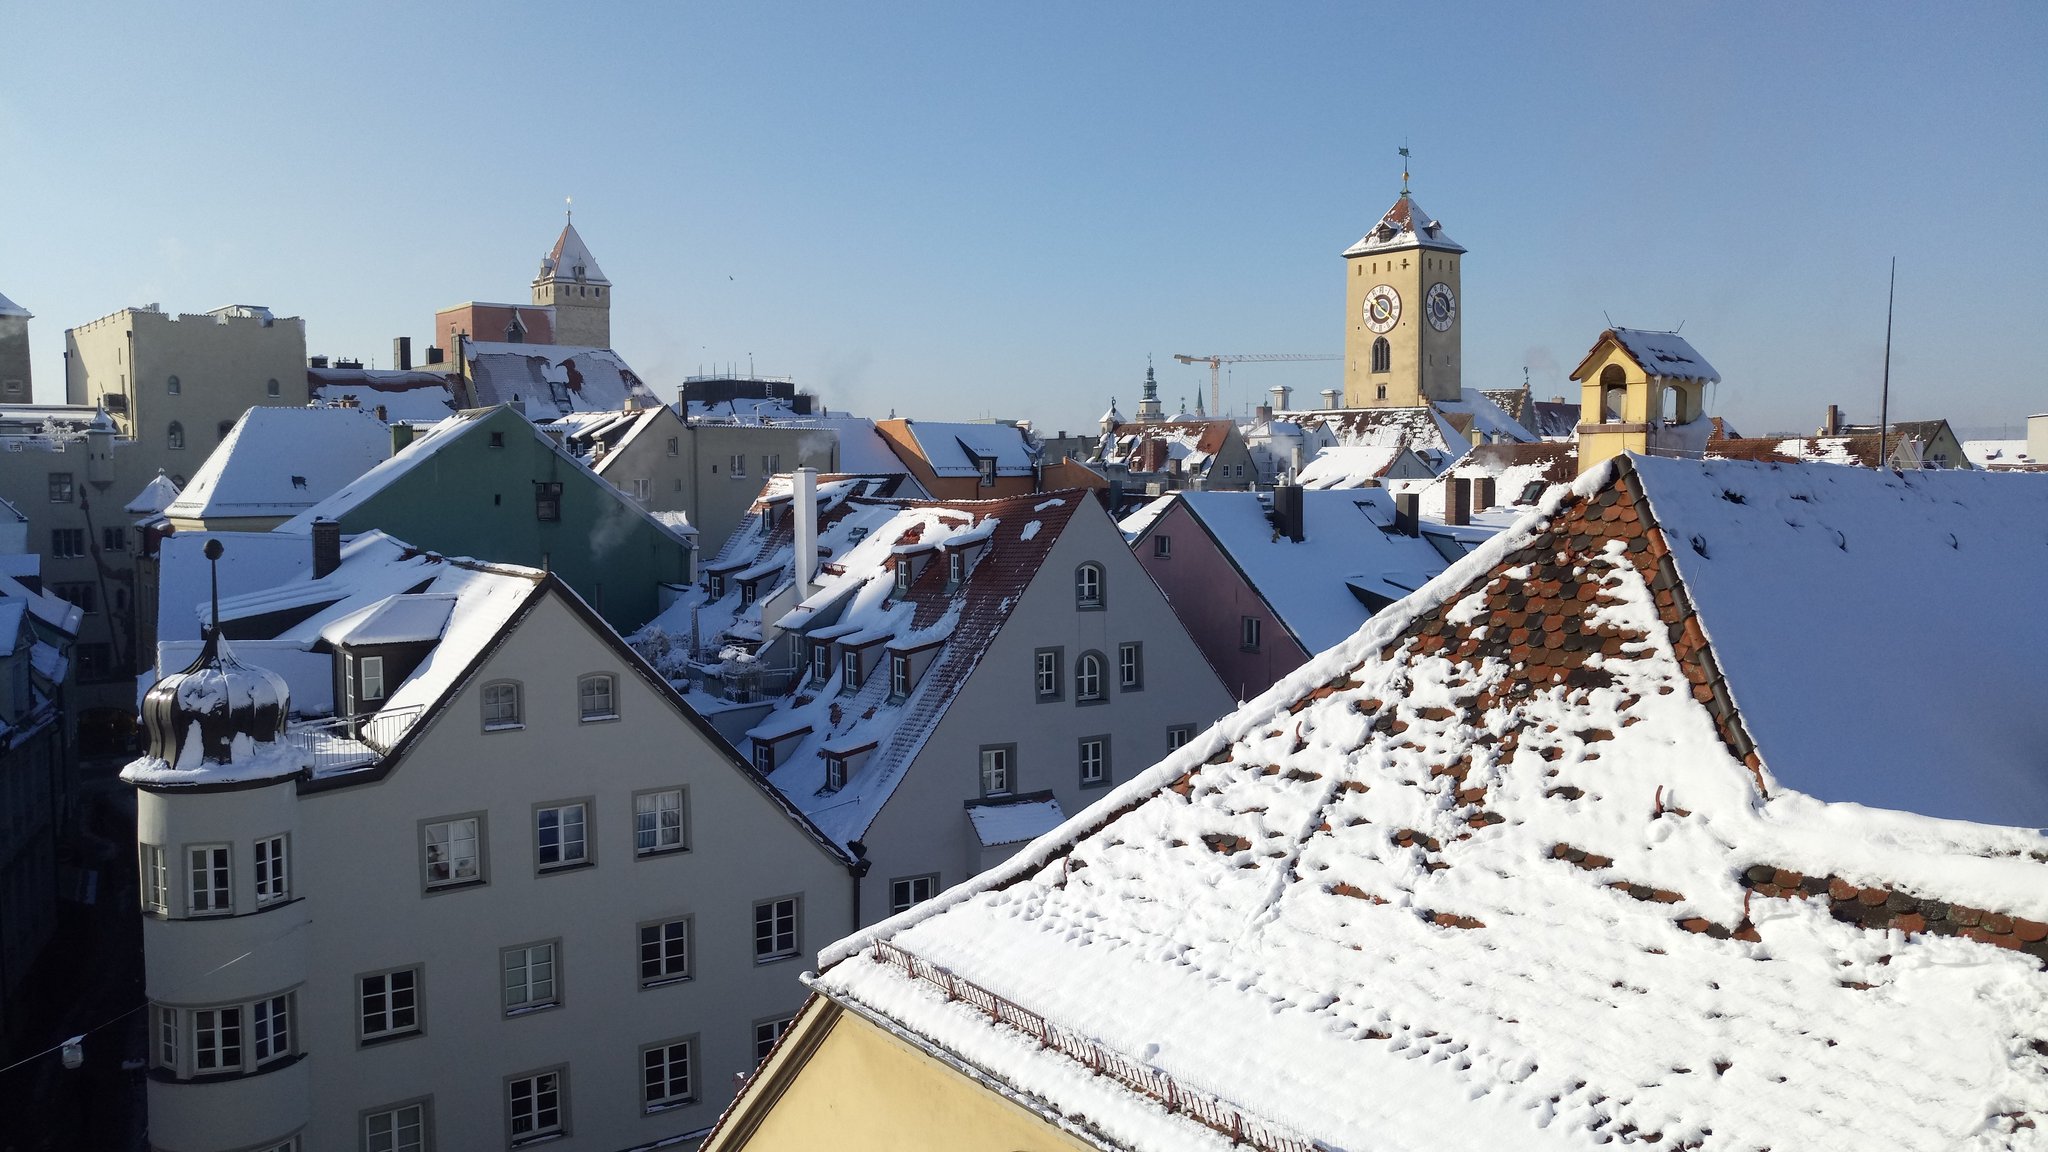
[(1382, 308), (1442, 306)]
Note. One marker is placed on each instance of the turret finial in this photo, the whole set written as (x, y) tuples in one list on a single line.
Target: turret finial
[(1404, 169), (569, 203), (212, 552)]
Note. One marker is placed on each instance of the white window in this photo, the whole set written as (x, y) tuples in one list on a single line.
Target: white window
[(209, 872), (390, 1004), (1094, 761), (1248, 633), (453, 855), (501, 706), (370, 679), (775, 929), (1162, 546), (529, 977), (899, 676), (167, 1038), (216, 1040), (766, 1033), (1130, 666), (956, 567), (1048, 673), (666, 1076), (664, 952), (536, 1104), (903, 574), (594, 698), (273, 871), (1178, 735), (401, 1129), (739, 466), (995, 771), (658, 821), (559, 836), (771, 464), (835, 773), (821, 662), (1088, 677), (156, 880), (910, 891), (764, 757), (1088, 586), (849, 666), (271, 1024), (643, 488)]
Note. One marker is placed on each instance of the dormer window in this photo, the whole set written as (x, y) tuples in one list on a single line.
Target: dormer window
[(369, 678), (821, 661), (835, 773), (987, 464), (746, 592), (849, 667), (899, 676), (715, 583), (956, 568), (903, 574)]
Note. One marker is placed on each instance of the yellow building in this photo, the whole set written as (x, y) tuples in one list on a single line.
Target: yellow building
[(1401, 330), (1642, 392)]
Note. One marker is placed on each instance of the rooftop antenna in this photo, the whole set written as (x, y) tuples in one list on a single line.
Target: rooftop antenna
[(1884, 398), (1606, 317), (1680, 328)]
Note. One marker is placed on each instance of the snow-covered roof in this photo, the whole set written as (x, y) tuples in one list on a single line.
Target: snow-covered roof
[(958, 449), (155, 496), (2002, 454), (410, 397), (856, 603), (570, 259), (1908, 442), (1481, 419), (1501, 870), (281, 461), (10, 308), (1135, 524), (1350, 465), (862, 451), (1665, 354), (406, 618), (1421, 429), (1406, 225), (1184, 445), (53, 610), (1000, 822), (552, 378), (596, 437), (744, 410)]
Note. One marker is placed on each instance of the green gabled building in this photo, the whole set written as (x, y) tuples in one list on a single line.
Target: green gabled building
[(488, 484)]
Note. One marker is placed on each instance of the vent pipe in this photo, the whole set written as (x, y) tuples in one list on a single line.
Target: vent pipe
[(1330, 396), (806, 543)]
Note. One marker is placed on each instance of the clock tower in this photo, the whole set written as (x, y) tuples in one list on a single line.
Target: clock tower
[(1402, 322)]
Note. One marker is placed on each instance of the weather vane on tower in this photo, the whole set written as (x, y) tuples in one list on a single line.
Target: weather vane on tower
[(1404, 169)]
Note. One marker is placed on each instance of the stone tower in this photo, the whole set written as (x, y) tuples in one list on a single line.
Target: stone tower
[(1401, 326), (571, 283), (16, 386)]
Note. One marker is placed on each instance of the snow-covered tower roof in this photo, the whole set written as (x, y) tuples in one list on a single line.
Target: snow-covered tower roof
[(1406, 225), (10, 308), (570, 259)]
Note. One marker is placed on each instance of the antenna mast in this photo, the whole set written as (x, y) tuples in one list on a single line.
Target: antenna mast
[(1884, 399)]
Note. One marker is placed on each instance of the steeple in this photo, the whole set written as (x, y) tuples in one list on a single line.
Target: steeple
[(1149, 411), (1402, 330), (573, 285)]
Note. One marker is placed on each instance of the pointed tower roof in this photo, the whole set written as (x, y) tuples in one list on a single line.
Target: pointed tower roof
[(1406, 225), (570, 259), (10, 308)]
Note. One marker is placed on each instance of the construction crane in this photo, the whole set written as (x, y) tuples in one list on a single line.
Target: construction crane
[(1216, 364)]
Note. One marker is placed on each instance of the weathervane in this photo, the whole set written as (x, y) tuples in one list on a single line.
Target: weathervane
[(1404, 168), (569, 202)]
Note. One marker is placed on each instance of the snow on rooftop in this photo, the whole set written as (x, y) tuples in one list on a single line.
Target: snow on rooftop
[(552, 378), (1349, 466), (280, 461), (155, 496), (1665, 354), (400, 619), (1451, 885), (1016, 821), (957, 449), (570, 258), (1999, 454), (1405, 225), (409, 397)]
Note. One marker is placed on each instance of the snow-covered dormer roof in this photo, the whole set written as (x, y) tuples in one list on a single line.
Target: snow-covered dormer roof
[(1406, 225), (570, 259), (155, 496)]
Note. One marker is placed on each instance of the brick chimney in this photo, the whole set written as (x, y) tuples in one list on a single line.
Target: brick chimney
[(326, 547)]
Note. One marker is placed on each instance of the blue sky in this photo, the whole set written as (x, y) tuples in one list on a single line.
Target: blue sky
[(955, 211)]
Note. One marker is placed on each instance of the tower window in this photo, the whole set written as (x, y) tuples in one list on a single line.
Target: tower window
[(174, 436), (1382, 355)]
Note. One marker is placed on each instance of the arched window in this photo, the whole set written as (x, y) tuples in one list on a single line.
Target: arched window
[(173, 387), (1088, 586), (1382, 355), (174, 436), (597, 697), (271, 389), (1088, 677), (1613, 388)]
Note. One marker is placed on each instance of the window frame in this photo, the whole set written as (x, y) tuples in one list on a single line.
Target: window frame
[(1130, 666), (1090, 668), (156, 879), (174, 386), (737, 466), (849, 669), (1178, 735), (67, 543), (560, 1087), (480, 864), (1006, 764), (1162, 546), (518, 713), (1249, 636), (174, 437), (417, 991), (1100, 745), (777, 1026), (270, 1025), (956, 569), (533, 1001), (1090, 587), (584, 695), (586, 846), (276, 886), (682, 822), (114, 538), (221, 886), (821, 662), (777, 950), (899, 677), (423, 1104), (366, 667), (63, 487), (664, 976), (910, 885), (1048, 663), (228, 1044), (670, 1101)]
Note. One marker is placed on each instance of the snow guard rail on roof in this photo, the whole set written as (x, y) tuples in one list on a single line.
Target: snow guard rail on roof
[(1143, 1079)]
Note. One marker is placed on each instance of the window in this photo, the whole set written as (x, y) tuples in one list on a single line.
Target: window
[(271, 388), (775, 929), (174, 436), (910, 891), (271, 1027), (1178, 735), (401, 1129), (501, 706), (903, 574), (666, 1075), (739, 466), (1046, 675), (849, 667), (210, 893), (167, 1038), (643, 489), (1094, 761), (995, 770), (13, 386), (987, 467), (1380, 392), (1130, 666), (390, 1003), (1248, 633), (766, 1033), (536, 1105), (173, 386), (216, 1040), (658, 822), (899, 676), (83, 595), (273, 874), (66, 543), (370, 678), (956, 567), (1382, 355), (1087, 678), (454, 852), (771, 464), (1088, 586), (595, 698), (764, 757), (821, 662), (156, 880), (530, 982), (547, 500), (664, 952), (835, 772), (560, 836), (114, 539), (1162, 546), (497, 439), (675, 446), (60, 488)]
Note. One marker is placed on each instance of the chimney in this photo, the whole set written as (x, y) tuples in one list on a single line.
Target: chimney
[(1330, 396), (401, 435), (434, 354), (1287, 509), (317, 362), (1408, 513), (326, 547), (1458, 502), (1482, 493), (1262, 413), (383, 416), (401, 353), (1834, 422), (806, 543), (1281, 394)]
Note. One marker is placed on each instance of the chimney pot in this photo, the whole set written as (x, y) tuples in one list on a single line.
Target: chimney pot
[(1330, 398)]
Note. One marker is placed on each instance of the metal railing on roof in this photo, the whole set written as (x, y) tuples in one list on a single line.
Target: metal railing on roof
[(351, 741), (1204, 1109)]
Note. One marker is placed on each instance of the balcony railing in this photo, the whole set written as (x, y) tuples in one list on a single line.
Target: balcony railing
[(351, 741)]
